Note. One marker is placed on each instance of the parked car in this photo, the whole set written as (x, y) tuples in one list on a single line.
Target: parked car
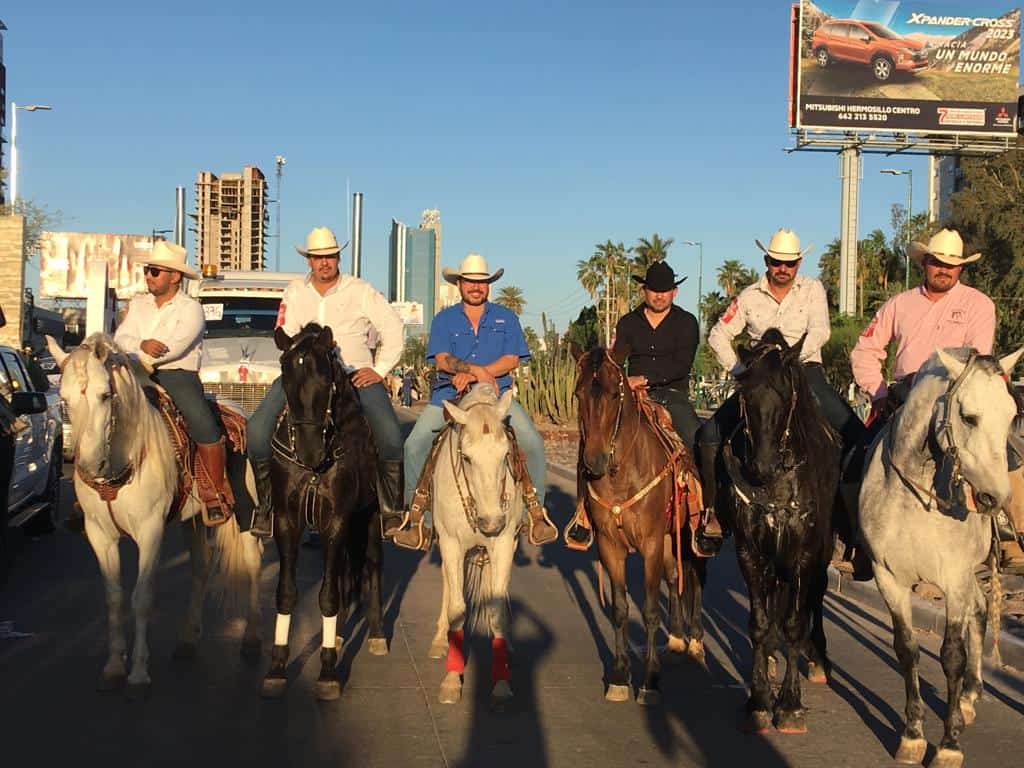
[(867, 42), (34, 492)]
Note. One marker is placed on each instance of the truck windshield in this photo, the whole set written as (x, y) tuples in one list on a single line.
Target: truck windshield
[(239, 316)]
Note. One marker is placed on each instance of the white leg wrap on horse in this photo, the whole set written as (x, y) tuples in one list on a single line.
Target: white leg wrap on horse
[(330, 631), (284, 622)]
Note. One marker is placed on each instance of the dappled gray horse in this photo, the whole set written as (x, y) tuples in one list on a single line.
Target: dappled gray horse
[(945, 446)]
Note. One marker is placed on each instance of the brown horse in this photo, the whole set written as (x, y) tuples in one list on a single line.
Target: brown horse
[(628, 476)]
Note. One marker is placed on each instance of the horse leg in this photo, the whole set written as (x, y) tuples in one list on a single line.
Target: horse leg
[(149, 539), (694, 573), (109, 559), (759, 704), (960, 604), (252, 640), (439, 645), (790, 715), (453, 562), (328, 687), (500, 569), (818, 667), (199, 561), (613, 556), (676, 633), (287, 533), (378, 643), (650, 690), (897, 598), (977, 617)]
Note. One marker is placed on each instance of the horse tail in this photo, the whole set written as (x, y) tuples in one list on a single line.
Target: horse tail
[(229, 573), (995, 601), (479, 587)]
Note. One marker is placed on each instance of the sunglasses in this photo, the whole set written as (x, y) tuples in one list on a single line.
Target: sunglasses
[(155, 271), (780, 263)]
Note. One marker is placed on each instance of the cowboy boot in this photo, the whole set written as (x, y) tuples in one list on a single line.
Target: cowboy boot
[(263, 515), (709, 530), (389, 496), (216, 494), (1012, 556)]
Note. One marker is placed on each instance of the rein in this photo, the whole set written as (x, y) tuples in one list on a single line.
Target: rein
[(458, 467)]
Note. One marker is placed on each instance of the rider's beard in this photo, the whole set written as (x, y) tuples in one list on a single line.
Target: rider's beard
[(940, 283)]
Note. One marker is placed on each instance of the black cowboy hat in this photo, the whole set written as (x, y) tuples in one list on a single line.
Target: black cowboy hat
[(659, 277)]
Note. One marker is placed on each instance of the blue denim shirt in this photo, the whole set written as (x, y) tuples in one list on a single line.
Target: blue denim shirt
[(499, 334)]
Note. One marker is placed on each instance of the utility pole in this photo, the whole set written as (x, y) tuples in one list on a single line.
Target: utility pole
[(279, 162)]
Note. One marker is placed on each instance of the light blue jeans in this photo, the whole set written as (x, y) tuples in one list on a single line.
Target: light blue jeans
[(430, 422)]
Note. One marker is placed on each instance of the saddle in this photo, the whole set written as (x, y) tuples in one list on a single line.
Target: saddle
[(191, 471)]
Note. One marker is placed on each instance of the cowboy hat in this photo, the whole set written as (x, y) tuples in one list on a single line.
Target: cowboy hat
[(321, 242), (784, 246), (660, 277), (473, 267), (946, 245), (168, 256)]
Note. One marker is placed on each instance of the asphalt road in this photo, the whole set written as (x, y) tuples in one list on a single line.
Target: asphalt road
[(208, 711)]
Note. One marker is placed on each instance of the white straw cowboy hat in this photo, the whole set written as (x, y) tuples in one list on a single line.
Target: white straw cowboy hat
[(321, 242), (784, 246), (168, 256), (473, 267), (946, 245)]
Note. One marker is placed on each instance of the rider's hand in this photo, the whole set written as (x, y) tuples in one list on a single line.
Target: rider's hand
[(637, 382), (462, 380), (366, 377), (154, 348), (483, 376)]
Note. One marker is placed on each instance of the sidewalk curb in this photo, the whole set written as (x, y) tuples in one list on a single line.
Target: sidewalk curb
[(926, 616)]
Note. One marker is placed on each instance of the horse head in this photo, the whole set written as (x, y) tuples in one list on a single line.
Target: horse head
[(769, 386), (601, 393), (483, 455), (311, 377), (971, 420)]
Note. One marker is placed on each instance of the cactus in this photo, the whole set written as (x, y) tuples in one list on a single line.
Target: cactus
[(546, 384)]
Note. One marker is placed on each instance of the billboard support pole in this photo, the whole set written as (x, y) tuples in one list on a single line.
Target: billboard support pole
[(849, 172)]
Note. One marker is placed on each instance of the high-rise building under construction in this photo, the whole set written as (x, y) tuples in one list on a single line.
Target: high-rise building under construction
[(231, 219)]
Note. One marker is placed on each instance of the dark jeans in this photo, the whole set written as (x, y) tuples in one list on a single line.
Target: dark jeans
[(186, 391), (376, 407), (684, 418)]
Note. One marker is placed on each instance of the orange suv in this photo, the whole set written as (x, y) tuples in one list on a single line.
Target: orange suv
[(866, 42)]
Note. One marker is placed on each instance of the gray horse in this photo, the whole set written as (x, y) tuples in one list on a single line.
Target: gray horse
[(945, 446)]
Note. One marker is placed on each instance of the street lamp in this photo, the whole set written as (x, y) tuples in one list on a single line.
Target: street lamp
[(910, 212), (14, 142), (279, 162), (699, 244)]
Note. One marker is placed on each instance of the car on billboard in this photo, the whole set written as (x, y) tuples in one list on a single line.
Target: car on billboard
[(868, 43)]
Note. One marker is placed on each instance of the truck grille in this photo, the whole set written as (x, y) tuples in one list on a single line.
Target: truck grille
[(248, 396)]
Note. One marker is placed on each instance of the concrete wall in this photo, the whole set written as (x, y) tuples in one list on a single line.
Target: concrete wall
[(12, 277)]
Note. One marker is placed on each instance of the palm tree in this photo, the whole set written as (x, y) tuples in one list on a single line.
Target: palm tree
[(511, 296), (650, 250), (733, 277)]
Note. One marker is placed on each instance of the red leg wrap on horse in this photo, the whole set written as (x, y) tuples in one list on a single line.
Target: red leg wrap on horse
[(499, 659), (456, 660)]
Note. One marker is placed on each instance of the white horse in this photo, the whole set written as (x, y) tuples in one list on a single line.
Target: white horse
[(121, 438), (477, 507), (947, 443)]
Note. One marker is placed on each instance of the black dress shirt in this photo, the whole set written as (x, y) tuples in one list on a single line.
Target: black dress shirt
[(663, 354)]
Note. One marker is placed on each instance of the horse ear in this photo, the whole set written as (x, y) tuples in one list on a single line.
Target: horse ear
[(792, 355), (58, 354), (620, 352), (455, 412), (282, 339), (950, 363), (504, 404), (100, 350), (326, 337), (1007, 363)]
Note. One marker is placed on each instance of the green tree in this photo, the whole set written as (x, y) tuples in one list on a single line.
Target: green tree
[(532, 340), (37, 219), (649, 250), (511, 296), (584, 332), (712, 307), (733, 277), (414, 352)]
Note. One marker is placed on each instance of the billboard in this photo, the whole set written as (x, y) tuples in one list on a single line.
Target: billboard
[(918, 66), (64, 256), (411, 312)]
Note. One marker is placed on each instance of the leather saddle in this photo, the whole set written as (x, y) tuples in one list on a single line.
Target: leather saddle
[(190, 471)]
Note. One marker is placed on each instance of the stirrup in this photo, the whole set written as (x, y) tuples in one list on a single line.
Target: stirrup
[(576, 535), (390, 529), (704, 545), (262, 527), (418, 537), (541, 523), (216, 513)]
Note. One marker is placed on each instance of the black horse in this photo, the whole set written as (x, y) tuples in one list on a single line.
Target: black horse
[(782, 472), (324, 475)]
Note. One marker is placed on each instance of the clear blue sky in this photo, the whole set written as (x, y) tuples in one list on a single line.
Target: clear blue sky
[(537, 128)]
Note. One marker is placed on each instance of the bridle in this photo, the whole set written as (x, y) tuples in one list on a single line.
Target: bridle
[(326, 424), (457, 459), (785, 439), (620, 397)]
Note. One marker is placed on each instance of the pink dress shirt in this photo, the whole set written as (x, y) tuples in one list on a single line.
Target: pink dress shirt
[(964, 317)]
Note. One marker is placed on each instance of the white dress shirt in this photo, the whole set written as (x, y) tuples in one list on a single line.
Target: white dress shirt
[(803, 310), (179, 324), (351, 308)]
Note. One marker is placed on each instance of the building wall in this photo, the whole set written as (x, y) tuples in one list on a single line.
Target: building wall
[(12, 277), (231, 219), (431, 219), (412, 261)]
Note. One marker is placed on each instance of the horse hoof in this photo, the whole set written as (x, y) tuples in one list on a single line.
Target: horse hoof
[(184, 651), (438, 649), (378, 646), (791, 721), (273, 687), (676, 644), (967, 709), (911, 751), (948, 758), (816, 673), (251, 650), (695, 652), (773, 669), (501, 695), (450, 693), (618, 693), (328, 690), (759, 721), (648, 697), (137, 691), (111, 682)]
